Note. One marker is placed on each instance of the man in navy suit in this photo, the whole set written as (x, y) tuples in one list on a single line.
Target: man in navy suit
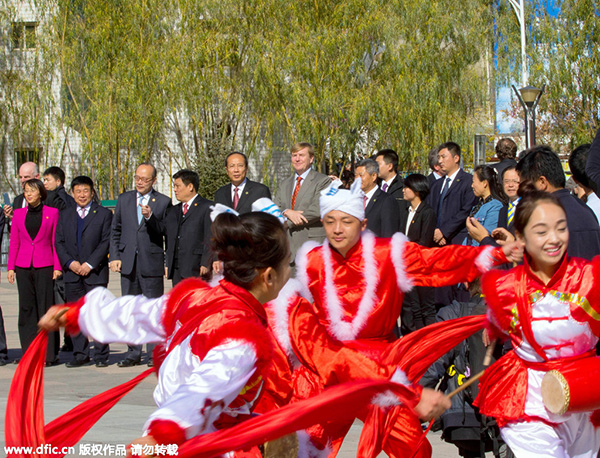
[(135, 252), (54, 180), (82, 241), (381, 209), (541, 166), (452, 197), (241, 193), (187, 229)]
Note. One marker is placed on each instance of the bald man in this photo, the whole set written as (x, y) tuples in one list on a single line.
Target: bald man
[(27, 171)]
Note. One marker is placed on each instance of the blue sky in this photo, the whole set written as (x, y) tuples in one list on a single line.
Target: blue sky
[(505, 94)]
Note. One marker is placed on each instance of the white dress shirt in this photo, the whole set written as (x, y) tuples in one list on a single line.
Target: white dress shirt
[(411, 215), (240, 189)]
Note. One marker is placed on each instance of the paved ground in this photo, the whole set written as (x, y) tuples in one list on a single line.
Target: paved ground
[(64, 388)]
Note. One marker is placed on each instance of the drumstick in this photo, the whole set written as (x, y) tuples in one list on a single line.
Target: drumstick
[(486, 362)]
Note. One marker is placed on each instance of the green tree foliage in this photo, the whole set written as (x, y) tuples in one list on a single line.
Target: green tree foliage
[(26, 81), (188, 81), (563, 54)]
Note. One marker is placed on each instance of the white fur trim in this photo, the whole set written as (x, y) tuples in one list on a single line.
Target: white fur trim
[(306, 448), (341, 329), (280, 308), (385, 400), (400, 377), (485, 260), (302, 265), (398, 240)]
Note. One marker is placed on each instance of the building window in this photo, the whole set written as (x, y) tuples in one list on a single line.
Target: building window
[(24, 35), (23, 155)]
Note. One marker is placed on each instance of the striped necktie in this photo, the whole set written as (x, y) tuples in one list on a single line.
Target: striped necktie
[(511, 213)]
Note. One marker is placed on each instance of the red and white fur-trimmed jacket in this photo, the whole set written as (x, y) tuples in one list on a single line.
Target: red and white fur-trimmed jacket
[(217, 351), (359, 296)]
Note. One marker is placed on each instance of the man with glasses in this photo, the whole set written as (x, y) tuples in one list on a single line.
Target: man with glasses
[(505, 231), (135, 252)]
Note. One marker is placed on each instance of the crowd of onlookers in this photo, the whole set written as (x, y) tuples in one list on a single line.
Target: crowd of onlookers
[(63, 243)]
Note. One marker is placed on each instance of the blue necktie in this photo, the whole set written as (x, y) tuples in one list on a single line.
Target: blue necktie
[(444, 192), (139, 209)]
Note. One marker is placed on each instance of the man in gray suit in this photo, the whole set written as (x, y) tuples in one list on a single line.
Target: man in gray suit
[(135, 252), (298, 198)]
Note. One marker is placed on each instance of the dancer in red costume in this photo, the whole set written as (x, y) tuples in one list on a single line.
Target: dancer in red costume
[(549, 307), (355, 284), (218, 346)]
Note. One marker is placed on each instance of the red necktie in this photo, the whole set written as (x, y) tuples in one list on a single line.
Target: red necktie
[(236, 198), (185, 208), (296, 191)]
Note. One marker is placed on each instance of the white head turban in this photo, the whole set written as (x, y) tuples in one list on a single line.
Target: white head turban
[(266, 205), (347, 201), (217, 209), (261, 205)]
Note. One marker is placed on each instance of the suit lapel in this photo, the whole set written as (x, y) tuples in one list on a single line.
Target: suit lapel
[(244, 196), (371, 203), (45, 222), (90, 216), (228, 199), (191, 209)]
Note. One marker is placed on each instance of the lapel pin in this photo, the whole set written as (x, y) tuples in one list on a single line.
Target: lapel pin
[(195, 205), (94, 211), (153, 199), (47, 217), (246, 192)]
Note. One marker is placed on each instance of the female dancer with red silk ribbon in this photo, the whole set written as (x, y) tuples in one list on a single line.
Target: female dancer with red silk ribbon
[(549, 307)]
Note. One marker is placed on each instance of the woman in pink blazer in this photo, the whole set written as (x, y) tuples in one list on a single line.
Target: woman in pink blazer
[(33, 261)]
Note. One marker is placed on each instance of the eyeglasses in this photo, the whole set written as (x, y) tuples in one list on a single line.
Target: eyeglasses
[(142, 179)]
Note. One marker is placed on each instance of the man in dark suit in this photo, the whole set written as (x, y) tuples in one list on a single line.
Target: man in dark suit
[(135, 251), (82, 241), (506, 152), (381, 209), (541, 166), (54, 180), (452, 197), (241, 193), (391, 183), (187, 229), (434, 165), (27, 171), (298, 198)]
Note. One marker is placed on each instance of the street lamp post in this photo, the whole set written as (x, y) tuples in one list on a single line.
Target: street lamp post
[(529, 97), (519, 8)]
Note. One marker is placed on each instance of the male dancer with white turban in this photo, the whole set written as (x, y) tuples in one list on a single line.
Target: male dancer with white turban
[(355, 284)]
